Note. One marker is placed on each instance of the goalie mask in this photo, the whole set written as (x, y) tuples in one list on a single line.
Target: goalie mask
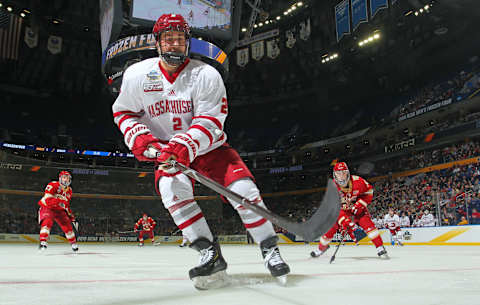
[(341, 174), (65, 178), (172, 33)]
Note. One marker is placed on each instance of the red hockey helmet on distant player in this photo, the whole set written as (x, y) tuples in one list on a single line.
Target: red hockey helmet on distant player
[(65, 178), (172, 22), (341, 174)]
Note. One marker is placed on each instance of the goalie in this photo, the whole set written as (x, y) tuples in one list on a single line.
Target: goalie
[(55, 206), (172, 107)]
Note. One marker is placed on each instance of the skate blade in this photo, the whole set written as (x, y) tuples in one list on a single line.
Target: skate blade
[(214, 281), (282, 280), (384, 257)]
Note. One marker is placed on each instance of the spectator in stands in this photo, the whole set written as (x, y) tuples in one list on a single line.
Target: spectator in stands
[(475, 216), (463, 222)]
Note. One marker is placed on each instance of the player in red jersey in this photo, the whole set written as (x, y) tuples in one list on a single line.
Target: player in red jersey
[(55, 206), (356, 194), (147, 224)]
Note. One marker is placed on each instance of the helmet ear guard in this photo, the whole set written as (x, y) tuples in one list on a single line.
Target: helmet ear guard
[(172, 22)]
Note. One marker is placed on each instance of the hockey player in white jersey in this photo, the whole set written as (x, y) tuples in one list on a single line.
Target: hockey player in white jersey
[(392, 222), (174, 107)]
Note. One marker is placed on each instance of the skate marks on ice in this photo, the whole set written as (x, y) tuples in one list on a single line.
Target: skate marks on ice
[(225, 280), (70, 253), (254, 279)]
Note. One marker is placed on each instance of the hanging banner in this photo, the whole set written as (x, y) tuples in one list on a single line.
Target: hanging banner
[(290, 38), (272, 48), (258, 50), (342, 19), (242, 57), (261, 36), (31, 37), (377, 5), (359, 13), (305, 29), (54, 44)]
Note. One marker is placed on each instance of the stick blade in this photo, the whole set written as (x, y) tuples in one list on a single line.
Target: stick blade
[(325, 215)]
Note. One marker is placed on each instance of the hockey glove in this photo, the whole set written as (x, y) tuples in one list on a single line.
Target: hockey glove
[(146, 147), (358, 209), (173, 151)]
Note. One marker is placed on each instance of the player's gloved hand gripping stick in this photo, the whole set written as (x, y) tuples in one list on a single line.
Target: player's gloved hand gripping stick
[(316, 226)]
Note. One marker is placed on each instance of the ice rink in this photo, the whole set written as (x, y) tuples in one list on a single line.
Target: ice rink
[(119, 274)]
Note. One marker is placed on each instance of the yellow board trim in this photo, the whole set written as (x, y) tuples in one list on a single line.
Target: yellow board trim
[(449, 235), (285, 239), (33, 240)]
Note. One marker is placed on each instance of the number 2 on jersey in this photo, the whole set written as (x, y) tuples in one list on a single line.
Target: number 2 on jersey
[(224, 108), (177, 124)]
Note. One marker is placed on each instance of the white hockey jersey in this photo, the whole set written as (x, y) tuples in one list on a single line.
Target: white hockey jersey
[(404, 221), (190, 105), (391, 222)]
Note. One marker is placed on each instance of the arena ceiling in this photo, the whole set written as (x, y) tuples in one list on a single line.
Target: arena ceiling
[(442, 40)]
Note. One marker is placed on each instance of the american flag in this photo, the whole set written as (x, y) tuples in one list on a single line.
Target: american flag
[(10, 30)]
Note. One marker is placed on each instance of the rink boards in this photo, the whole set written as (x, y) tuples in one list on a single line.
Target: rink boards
[(450, 235)]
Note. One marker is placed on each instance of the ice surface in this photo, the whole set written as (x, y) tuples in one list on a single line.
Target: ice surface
[(117, 274)]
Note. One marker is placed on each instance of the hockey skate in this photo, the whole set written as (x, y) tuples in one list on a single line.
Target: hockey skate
[(382, 253), (210, 272), (140, 244), (74, 248), (43, 246), (318, 252), (273, 261)]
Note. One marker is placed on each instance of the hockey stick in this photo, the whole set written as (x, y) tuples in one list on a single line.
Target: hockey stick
[(338, 247), (124, 232), (320, 222)]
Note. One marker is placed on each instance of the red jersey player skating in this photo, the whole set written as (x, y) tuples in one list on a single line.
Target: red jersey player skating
[(55, 206), (147, 224), (356, 194)]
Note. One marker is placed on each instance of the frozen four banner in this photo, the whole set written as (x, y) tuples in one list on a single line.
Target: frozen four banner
[(376, 6), (342, 18), (359, 13)]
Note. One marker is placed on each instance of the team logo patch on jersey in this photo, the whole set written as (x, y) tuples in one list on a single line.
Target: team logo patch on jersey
[(171, 93), (153, 75), (152, 87)]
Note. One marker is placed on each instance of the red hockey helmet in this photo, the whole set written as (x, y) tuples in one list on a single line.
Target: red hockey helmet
[(172, 22), (65, 178), (341, 174)]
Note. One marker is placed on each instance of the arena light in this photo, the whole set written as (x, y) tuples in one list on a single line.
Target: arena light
[(244, 29), (22, 14), (260, 24), (369, 39), (327, 57), (1, 4), (278, 17), (9, 8), (300, 3)]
